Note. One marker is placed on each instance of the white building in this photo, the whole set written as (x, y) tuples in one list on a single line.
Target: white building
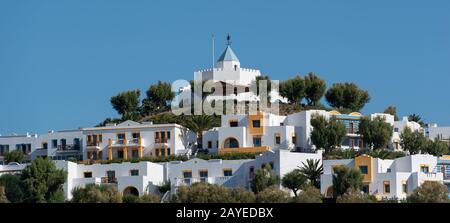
[(129, 178), (386, 178), (441, 132), (24, 143)]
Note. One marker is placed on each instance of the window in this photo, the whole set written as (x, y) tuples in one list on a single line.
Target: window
[(100, 138), (233, 123), (168, 134), (424, 169), (395, 129), (87, 174), (45, 145), (203, 175), (121, 138), (364, 169), (4, 149), (387, 187), (54, 143), (271, 165), (405, 187), (257, 141), (251, 172), (388, 170), (277, 139), (168, 151), (365, 188), (256, 123), (136, 136), (111, 176), (134, 153), (294, 139), (209, 144), (227, 172), (134, 172), (187, 174)]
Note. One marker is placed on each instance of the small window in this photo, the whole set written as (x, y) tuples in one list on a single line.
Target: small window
[(405, 187), (45, 145), (87, 174), (256, 123), (365, 188), (227, 172), (277, 139), (168, 151), (387, 187), (54, 143), (209, 144), (134, 172), (424, 169), (364, 169), (272, 165), (187, 174), (233, 124), (388, 170), (203, 173)]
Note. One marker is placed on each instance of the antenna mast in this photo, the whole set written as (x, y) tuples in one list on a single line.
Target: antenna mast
[(213, 60)]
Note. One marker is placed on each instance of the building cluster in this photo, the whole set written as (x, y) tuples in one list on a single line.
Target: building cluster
[(283, 142)]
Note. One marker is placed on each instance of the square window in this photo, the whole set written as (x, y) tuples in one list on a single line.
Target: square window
[(87, 174), (364, 169), (424, 169), (187, 174), (134, 172), (227, 173), (256, 123), (365, 188)]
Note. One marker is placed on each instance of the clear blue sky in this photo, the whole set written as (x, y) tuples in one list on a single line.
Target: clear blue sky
[(60, 61)]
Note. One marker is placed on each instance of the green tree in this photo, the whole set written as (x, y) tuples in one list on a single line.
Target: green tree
[(347, 96), (272, 195), (376, 133), (416, 118), (160, 94), (255, 84), (309, 194), (312, 169), (294, 180), (293, 89), (437, 147), (3, 198), (314, 89), (263, 179), (355, 196), (327, 134), (345, 178), (127, 104), (429, 192), (199, 124), (42, 181), (413, 141), (14, 156), (13, 187), (392, 110), (92, 193)]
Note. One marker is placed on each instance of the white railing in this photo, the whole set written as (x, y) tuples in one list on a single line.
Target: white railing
[(193, 180)]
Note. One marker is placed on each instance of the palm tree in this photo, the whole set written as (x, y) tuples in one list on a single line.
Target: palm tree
[(199, 124), (312, 170), (416, 118)]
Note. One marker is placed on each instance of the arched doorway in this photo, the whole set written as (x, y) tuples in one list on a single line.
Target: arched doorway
[(131, 191), (231, 143)]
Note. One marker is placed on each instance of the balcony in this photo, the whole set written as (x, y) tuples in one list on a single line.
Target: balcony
[(161, 142), (93, 145), (68, 148), (259, 149), (109, 180)]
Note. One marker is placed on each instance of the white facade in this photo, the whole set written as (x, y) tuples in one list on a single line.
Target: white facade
[(386, 178), (141, 177), (441, 132)]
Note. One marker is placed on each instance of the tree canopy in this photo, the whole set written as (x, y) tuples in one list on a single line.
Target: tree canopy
[(413, 141), (345, 178), (263, 179), (293, 89), (294, 180), (327, 134), (347, 96), (376, 133), (312, 169), (429, 192), (314, 89), (127, 104)]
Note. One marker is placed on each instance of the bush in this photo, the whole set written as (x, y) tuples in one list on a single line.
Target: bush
[(263, 179), (13, 187), (130, 199), (309, 194), (272, 195), (240, 195), (202, 193), (429, 192), (353, 196), (3, 198), (149, 198), (92, 193), (14, 156), (164, 187)]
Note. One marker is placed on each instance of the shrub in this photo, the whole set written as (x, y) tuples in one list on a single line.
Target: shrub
[(309, 194), (272, 195), (353, 196), (429, 192)]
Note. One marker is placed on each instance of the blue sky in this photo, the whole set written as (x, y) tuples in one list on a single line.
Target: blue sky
[(61, 61)]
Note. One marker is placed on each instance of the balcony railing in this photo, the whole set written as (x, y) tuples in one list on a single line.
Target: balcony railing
[(244, 150), (193, 180), (93, 143), (68, 147), (109, 180)]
